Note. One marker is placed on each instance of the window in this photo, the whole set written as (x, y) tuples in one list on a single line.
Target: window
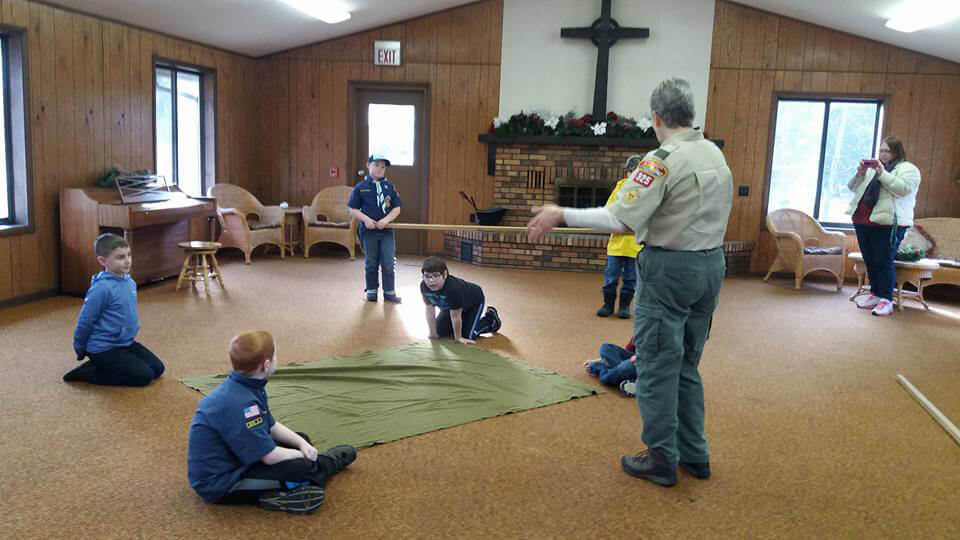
[(183, 127), (6, 178), (15, 193), (818, 144), (392, 132)]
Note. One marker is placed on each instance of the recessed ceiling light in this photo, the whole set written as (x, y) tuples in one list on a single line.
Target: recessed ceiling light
[(328, 11), (913, 15)]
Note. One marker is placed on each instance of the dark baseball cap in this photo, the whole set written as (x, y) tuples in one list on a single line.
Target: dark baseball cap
[(378, 157)]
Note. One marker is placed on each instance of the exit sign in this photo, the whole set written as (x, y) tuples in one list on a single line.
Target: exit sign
[(386, 53)]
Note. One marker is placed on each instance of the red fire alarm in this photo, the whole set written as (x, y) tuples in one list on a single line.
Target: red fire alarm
[(334, 172)]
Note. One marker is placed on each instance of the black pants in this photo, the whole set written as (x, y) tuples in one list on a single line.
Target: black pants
[(133, 365), (471, 324), (261, 478)]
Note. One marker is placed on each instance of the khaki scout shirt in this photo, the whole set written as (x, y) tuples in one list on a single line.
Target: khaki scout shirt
[(680, 195)]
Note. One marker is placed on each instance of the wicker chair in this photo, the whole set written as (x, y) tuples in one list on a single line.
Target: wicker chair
[(328, 219), (803, 246), (946, 233), (246, 222)]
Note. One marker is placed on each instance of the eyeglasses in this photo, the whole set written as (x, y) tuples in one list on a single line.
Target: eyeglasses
[(433, 276)]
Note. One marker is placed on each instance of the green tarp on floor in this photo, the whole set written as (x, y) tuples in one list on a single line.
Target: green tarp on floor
[(385, 395)]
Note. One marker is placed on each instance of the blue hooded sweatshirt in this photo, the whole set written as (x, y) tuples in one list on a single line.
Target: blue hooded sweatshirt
[(108, 318)]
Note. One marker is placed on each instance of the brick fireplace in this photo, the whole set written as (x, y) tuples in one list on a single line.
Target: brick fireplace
[(530, 171)]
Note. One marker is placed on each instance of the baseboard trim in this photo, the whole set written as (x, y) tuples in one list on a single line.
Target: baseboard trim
[(27, 298)]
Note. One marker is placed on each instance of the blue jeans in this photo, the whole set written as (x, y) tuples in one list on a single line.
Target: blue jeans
[(616, 265), (879, 249), (617, 366), (380, 250)]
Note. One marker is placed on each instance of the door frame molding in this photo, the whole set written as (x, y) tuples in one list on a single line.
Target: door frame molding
[(353, 89)]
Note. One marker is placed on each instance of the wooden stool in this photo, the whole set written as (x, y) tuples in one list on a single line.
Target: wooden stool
[(195, 266)]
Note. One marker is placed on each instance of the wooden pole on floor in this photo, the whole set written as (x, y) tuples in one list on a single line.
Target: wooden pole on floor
[(941, 419), (488, 228)]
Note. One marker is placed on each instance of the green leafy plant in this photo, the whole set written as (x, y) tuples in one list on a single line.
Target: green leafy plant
[(109, 177)]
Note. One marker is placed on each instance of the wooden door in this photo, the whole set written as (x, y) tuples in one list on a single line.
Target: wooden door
[(392, 122)]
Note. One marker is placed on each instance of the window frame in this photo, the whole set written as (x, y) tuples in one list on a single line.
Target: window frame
[(15, 86), (827, 98), (208, 121)]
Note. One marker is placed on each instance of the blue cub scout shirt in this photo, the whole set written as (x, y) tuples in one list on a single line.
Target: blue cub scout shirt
[(229, 433), (374, 206)]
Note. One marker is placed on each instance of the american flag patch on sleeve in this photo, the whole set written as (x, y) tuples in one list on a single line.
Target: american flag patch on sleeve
[(251, 411)]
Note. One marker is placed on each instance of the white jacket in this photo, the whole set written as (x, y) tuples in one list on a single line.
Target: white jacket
[(898, 194)]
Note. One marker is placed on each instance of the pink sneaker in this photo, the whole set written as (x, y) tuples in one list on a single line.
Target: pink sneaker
[(884, 308), (869, 302)]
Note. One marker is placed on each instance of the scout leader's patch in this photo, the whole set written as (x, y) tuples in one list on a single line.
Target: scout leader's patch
[(630, 196), (649, 170), (255, 422)]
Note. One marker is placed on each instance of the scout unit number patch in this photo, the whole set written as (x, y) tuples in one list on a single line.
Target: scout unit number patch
[(255, 422), (648, 171)]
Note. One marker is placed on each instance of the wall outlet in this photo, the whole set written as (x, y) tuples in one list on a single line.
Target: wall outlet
[(743, 191), (334, 172)]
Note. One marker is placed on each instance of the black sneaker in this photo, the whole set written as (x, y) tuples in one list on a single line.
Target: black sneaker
[(80, 373), (496, 319), (697, 470), (650, 466), (299, 500), (342, 456), (391, 298)]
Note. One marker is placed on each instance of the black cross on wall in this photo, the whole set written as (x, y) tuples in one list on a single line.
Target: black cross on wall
[(604, 33)]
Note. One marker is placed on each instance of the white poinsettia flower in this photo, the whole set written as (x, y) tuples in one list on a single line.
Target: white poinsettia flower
[(552, 122), (645, 122), (599, 129), (497, 121)]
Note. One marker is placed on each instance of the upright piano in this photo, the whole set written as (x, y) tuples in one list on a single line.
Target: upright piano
[(153, 229)]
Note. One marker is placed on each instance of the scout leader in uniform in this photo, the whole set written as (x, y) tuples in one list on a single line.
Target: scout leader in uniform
[(678, 202)]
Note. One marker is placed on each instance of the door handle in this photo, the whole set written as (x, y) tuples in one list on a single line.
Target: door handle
[(361, 172)]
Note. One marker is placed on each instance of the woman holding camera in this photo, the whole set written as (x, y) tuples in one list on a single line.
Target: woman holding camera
[(884, 193)]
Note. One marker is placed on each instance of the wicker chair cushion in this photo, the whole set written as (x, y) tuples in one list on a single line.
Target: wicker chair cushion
[(814, 250), (255, 225), (331, 224), (946, 263)]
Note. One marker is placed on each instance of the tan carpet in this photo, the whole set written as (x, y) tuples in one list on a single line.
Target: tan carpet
[(810, 432)]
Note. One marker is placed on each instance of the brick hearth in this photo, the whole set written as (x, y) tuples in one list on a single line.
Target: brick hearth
[(526, 175)]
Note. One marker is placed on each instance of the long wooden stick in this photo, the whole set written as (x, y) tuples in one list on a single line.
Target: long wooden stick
[(488, 228), (944, 422)]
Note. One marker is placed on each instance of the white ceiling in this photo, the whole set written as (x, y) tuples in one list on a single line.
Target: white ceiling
[(259, 27), (866, 18), (253, 27)]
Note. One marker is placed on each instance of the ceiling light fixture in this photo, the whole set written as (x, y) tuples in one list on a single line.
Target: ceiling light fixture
[(328, 11), (913, 15)]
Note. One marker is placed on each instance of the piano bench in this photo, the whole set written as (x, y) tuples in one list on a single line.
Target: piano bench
[(195, 267)]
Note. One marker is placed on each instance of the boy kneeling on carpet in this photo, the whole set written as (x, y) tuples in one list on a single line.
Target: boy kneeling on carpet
[(461, 305), (238, 453)]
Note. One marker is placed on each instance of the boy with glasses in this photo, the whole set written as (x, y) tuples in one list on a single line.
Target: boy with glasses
[(461, 305)]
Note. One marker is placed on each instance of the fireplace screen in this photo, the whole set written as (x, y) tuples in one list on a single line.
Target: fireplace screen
[(587, 196)]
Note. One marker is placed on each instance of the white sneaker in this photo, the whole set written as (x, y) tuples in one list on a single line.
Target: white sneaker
[(629, 388), (868, 302), (884, 308)]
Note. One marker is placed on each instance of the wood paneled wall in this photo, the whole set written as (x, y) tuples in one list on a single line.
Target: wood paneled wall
[(91, 107), (756, 53), (303, 107)]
